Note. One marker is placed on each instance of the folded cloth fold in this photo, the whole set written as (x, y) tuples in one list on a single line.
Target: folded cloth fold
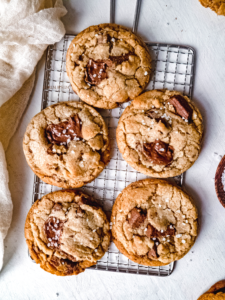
[(27, 27)]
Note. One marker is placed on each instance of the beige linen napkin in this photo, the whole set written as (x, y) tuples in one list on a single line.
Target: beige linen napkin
[(27, 27)]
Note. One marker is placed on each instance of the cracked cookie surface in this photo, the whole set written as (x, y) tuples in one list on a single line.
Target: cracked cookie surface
[(154, 222), (66, 232), (67, 144), (216, 292), (216, 5), (107, 65), (160, 133)]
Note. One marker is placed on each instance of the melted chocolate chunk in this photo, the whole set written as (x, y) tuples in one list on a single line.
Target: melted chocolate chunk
[(154, 233), (71, 266), (64, 132), (182, 107), (53, 230), (117, 60), (158, 152), (153, 252), (96, 70), (136, 218)]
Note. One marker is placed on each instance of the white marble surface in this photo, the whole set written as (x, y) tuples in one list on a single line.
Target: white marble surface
[(174, 21)]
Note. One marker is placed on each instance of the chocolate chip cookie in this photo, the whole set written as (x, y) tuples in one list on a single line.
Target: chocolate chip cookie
[(107, 65), (66, 232), (220, 181), (160, 133), (67, 144), (216, 292), (154, 222), (216, 5)]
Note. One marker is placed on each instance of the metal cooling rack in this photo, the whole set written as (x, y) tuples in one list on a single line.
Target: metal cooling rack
[(173, 69)]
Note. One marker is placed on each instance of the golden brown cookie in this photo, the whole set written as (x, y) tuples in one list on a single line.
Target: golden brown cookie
[(67, 144), (216, 292), (66, 232), (107, 65), (220, 181), (160, 133), (216, 5), (154, 222)]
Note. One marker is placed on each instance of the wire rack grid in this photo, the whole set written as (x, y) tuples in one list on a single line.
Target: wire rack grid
[(173, 69)]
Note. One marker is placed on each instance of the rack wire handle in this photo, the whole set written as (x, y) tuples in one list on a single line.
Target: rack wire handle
[(112, 11), (136, 15)]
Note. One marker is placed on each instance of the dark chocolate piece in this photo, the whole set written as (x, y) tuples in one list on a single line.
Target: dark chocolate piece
[(182, 107), (63, 132), (158, 152), (136, 218), (53, 230)]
